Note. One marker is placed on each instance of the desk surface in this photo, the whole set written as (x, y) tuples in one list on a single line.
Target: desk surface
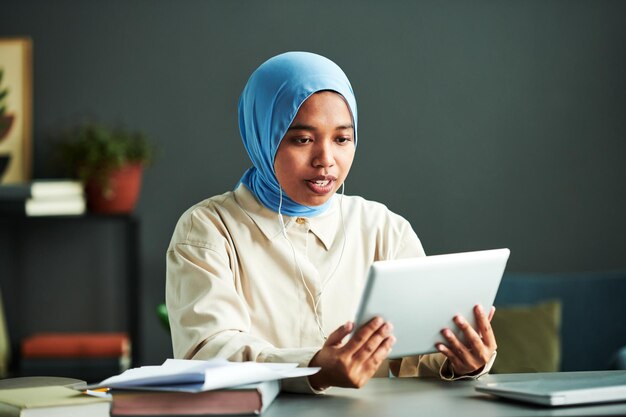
[(400, 397)]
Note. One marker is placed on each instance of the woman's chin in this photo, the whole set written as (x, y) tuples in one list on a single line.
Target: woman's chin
[(315, 201)]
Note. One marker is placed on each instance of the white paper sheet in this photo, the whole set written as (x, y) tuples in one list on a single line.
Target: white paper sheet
[(207, 375)]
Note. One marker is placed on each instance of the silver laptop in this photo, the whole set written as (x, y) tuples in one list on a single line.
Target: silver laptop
[(560, 388), (420, 296)]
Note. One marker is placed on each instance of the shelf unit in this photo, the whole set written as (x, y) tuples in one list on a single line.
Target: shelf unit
[(70, 273)]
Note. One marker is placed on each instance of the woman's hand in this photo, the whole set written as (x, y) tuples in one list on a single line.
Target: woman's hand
[(353, 363), (471, 356)]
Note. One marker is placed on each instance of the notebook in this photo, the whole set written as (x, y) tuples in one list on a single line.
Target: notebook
[(561, 388), (420, 296)]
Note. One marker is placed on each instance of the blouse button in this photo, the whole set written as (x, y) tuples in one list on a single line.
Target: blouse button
[(300, 220)]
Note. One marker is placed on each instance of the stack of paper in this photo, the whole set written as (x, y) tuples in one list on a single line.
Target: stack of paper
[(183, 387), (196, 375)]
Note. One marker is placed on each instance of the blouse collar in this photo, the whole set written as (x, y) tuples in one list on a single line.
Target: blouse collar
[(324, 226)]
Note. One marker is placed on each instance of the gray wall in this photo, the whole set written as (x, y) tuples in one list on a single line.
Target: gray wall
[(485, 123)]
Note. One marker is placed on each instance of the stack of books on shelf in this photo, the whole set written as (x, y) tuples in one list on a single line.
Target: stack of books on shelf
[(43, 198), (194, 387), (86, 356)]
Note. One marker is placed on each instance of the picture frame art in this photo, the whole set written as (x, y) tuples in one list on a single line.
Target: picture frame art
[(15, 110)]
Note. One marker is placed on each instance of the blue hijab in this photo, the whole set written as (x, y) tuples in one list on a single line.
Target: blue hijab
[(267, 106)]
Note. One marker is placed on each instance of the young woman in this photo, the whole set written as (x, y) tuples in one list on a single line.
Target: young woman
[(273, 270)]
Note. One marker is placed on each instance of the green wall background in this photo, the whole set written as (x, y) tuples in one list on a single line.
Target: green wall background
[(485, 123)]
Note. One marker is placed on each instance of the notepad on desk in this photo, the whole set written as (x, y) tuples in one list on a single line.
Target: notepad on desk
[(51, 401)]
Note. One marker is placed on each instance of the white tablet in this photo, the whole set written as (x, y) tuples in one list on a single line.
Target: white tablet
[(420, 296)]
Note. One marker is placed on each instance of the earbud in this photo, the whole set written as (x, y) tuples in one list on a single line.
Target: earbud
[(318, 297)]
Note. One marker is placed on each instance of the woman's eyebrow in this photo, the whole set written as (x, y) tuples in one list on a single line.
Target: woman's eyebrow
[(309, 127), (301, 127)]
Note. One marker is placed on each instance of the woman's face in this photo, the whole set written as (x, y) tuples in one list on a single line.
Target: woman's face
[(316, 153)]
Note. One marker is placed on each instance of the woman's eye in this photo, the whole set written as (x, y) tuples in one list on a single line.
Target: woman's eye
[(343, 139), (301, 141)]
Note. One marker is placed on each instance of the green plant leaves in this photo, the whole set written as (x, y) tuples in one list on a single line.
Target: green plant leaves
[(92, 150), (3, 94)]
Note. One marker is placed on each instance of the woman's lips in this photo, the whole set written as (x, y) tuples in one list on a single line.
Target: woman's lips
[(321, 186)]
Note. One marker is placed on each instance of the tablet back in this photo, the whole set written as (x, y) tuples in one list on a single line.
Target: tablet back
[(420, 296)]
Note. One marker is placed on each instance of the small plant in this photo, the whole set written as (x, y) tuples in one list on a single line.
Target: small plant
[(4, 92), (92, 151), (5, 122)]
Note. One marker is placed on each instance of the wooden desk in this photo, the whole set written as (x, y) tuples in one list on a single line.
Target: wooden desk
[(412, 397)]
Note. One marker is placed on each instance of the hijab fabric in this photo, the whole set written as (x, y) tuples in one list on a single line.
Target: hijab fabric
[(267, 106)]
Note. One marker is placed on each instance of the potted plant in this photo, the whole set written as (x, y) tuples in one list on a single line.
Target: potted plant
[(109, 161), (6, 120)]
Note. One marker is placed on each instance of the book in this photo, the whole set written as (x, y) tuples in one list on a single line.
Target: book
[(41, 189), (250, 399), (67, 345), (66, 206), (51, 401), (43, 198), (88, 356), (200, 387)]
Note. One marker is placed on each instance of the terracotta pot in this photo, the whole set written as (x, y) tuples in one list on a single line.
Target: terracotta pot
[(118, 194)]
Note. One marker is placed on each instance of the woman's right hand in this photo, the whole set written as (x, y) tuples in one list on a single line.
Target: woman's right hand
[(353, 363)]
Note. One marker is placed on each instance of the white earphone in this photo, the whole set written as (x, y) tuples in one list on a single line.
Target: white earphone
[(315, 299)]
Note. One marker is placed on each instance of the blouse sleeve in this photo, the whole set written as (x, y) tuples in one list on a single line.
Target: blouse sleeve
[(208, 318)]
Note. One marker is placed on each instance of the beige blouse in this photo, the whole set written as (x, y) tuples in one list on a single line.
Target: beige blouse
[(238, 288)]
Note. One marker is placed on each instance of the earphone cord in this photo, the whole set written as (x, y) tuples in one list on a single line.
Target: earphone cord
[(315, 300)]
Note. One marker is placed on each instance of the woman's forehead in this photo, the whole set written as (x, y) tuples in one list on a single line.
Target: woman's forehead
[(324, 106)]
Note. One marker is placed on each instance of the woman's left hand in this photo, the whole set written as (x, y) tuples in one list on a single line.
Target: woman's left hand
[(480, 344)]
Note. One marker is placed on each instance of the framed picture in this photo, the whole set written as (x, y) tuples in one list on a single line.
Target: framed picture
[(15, 110)]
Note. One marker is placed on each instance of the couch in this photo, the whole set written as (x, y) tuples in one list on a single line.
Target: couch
[(587, 312)]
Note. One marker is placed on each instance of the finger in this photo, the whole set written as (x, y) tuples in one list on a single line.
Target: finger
[(484, 327), (363, 334), (473, 341), (492, 312), (456, 363), (337, 336), (455, 345), (470, 334), (383, 351), (375, 342)]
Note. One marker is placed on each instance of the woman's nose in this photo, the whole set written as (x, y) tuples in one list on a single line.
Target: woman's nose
[(324, 156)]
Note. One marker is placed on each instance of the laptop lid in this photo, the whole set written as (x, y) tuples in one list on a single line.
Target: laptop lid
[(420, 296), (561, 388)]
